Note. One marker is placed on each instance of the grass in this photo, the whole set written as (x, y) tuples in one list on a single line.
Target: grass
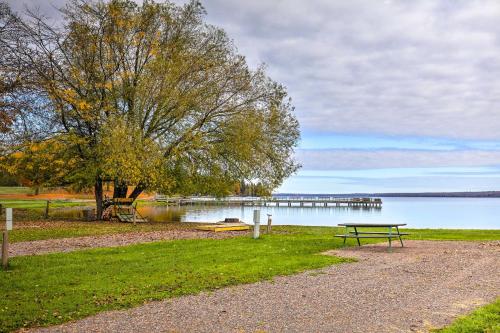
[(416, 234), (39, 204), (50, 289), (453, 234), (26, 231), (15, 190), (30, 231), (483, 320)]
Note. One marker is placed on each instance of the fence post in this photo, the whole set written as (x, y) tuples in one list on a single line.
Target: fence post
[(47, 209), (256, 222), (133, 215), (269, 223)]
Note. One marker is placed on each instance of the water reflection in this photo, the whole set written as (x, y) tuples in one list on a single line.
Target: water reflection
[(465, 213)]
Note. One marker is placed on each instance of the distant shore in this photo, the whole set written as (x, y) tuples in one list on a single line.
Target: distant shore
[(478, 194)]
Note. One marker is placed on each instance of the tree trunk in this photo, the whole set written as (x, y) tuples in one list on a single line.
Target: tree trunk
[(137, 191), (120, 189), (98, 198)]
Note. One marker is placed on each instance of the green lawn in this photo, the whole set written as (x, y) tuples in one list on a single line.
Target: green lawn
[(25, 231), (39, 204), (417, 234), (50, 289), (15, 190), (453, 234), (483, 320)]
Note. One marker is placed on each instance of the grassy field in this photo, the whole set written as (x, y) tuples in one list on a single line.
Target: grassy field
[(15, 190), (483, 320), (49, 289), (416, 234), (30, 231), (41, 204)]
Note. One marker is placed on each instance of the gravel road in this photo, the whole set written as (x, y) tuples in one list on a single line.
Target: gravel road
[(80, 243), (424, 285)]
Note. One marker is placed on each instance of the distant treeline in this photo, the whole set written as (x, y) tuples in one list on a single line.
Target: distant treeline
[(480, 194)]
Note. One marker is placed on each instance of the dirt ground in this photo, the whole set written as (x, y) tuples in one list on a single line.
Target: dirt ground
[(422, 286), (87, 242)]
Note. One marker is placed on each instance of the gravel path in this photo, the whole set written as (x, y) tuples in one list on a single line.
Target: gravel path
[(424, 285), (79, 243)]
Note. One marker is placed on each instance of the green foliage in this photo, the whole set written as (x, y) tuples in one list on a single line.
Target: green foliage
[(97, 280), (36, 164), (483, 320), (8, 180), (12, 73), (150, 94)]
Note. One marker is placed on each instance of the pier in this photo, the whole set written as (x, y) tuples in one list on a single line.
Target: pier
[(272, 201)]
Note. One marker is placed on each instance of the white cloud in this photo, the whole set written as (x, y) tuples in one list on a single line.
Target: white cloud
[(339, 159), (420, 68)]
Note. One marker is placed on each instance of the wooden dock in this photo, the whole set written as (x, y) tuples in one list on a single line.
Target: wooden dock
[(272, 202)]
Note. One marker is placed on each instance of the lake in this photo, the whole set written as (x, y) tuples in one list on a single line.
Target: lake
[(460, 213)]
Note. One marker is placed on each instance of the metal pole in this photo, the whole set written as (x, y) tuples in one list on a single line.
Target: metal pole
[(256, 222), (269, 223)]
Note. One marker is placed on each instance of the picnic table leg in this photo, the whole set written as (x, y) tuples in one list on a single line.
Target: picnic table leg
[(390, 239), (356, 232), (399, 235)]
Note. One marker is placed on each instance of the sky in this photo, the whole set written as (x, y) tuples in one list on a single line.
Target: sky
[(391, 96)]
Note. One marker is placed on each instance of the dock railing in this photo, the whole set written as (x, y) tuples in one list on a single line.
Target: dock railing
[(272, 201)]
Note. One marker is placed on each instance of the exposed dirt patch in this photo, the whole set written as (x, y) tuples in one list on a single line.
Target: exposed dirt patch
[(120, 239), (424, 285)]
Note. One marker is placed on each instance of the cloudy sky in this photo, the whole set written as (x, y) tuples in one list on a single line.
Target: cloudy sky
[(390, 95)]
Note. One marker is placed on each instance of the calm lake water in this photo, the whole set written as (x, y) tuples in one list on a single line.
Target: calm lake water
[(462, 213)]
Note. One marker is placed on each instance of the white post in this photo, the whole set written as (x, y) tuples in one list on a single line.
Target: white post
[(8, 213), (5, 242), (256, 222)]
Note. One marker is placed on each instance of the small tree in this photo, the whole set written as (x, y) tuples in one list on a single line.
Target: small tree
[(152, 96)]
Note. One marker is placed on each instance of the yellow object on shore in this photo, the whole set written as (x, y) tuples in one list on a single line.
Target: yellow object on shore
[(224, 227)]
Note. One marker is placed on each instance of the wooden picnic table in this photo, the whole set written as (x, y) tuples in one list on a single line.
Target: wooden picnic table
[(392, 231)]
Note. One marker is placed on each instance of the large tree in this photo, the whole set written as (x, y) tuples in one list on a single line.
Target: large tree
[(150, 95), (11, 74)]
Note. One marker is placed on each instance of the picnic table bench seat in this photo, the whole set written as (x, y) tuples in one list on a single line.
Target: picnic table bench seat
[(373, 236)]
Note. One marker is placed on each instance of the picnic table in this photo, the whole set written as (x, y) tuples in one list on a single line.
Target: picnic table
[(391, 232)]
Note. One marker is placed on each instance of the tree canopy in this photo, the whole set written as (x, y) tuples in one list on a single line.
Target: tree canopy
[(147, 95)]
